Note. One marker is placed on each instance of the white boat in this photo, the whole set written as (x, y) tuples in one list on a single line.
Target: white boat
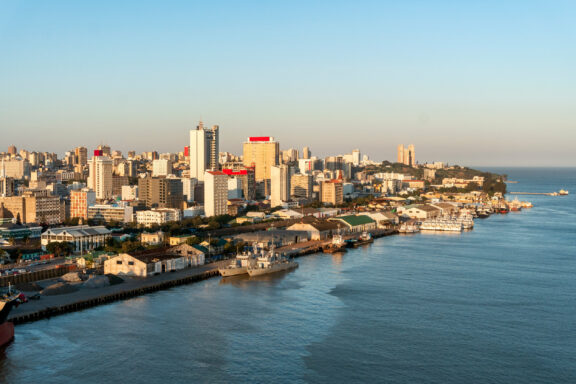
[(442, 224), (409, 228), (271, 263)]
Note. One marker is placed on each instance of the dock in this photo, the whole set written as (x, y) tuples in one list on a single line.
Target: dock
[(49, 306), (534, 193)]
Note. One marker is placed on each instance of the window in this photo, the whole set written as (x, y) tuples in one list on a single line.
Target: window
[(130, 263), (118, 261)]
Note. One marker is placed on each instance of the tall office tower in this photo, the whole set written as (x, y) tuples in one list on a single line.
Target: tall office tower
[(401, 154), (80, 200), (356, 157), (215, 193), (279, 185), (106, 151), (261, 153), (12, 150), (81, 155), (301, 186), (306, 153), (100, 176), (246, 175), (411, 155), (160, 192), (161, 167), (332, 192), (204, 147), (407, 155)]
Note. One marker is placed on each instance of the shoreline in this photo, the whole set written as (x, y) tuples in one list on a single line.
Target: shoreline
[(49, 306)]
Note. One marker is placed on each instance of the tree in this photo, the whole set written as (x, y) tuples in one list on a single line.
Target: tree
[(60, 248)]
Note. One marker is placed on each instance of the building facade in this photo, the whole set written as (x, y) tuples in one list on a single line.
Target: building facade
[(215, 193), (262, 153)]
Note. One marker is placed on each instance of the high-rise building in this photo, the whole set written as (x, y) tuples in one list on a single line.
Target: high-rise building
[(279, 185), (262, 153), (161, 167), (81, 156), (301, 186), (204, 147), (106, 151), (160, 192), (306, 153), (356, 157), (407, 155), (100, 176), (332, 192), (80, 200), (289, 155), (12, 150), (215, 193), (246, 175), (35, 207)]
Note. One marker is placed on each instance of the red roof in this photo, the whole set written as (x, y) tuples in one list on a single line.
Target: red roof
[(259, 138), (216, 173), (230, 172)]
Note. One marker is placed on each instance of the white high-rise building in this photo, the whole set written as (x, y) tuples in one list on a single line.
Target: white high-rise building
[(279, 185), (161, 167), (234, 188), (215, 193), (356, 157), (204, 147), (100, 176)]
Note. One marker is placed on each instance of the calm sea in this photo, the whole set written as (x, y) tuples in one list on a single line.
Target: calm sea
[(494, 305)]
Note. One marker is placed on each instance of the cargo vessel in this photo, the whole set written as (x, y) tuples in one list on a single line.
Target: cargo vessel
[(9, 298)]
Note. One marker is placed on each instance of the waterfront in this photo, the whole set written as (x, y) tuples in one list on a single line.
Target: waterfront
[(491, 305)]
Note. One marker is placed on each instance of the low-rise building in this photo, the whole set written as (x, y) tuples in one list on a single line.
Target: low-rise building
[(356, 223), (419, 211), (158, 216), (108, 213), (154, 238), (82, 237), (316, 229)]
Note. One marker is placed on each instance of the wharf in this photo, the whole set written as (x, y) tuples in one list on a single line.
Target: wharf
[(49, 306), (533, 193)]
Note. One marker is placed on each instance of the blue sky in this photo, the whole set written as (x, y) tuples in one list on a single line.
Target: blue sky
[(469, 82)]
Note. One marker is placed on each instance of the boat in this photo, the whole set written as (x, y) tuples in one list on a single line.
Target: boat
[(409, 228), (271, 262), (9, 298), (443, 224), (238, 266), (365, 238), (337, 245), (563, 192)]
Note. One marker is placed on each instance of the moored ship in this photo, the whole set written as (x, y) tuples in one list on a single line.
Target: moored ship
[(9, 298), (337, 245), (271, 263), (238, 266)]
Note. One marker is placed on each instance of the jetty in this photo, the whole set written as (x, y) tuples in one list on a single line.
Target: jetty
[(48, 306), (535, 193)]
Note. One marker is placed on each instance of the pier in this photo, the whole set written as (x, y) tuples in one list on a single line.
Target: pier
[(534, 193), (49, 306)]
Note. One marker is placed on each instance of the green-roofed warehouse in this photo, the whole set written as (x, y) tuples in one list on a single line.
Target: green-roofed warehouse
[(356, 223)]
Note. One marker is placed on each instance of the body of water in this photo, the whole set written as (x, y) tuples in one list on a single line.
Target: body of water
[(493, 305)]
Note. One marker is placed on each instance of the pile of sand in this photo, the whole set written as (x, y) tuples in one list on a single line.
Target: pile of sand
[(58, 289), (97, 281), (114, 279), (72, 277)]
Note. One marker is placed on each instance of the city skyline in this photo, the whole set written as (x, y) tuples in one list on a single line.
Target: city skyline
[(473, 84)]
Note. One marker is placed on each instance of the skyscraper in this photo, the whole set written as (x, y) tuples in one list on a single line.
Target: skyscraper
[(100, 176), (215, 193), (279, 185), (81, 156), (261, 153), (407, 155), (204, 147), (306, 153)]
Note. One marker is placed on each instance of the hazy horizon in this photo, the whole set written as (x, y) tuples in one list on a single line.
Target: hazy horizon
[(467, 83)]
